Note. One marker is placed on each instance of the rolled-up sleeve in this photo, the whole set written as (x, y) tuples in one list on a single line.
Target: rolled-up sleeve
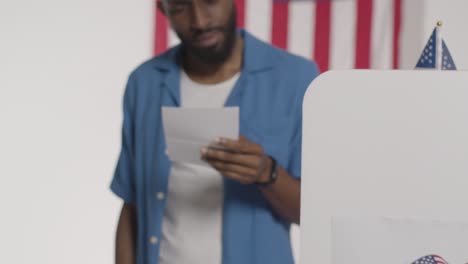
[(123, 181)]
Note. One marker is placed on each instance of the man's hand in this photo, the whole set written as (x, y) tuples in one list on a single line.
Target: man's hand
[(242, 160)]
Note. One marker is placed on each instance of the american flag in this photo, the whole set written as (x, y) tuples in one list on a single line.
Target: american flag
[(436, 54), (337, 34), (431, 259)]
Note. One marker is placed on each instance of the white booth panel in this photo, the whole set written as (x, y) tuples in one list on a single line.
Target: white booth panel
[(382, 145)]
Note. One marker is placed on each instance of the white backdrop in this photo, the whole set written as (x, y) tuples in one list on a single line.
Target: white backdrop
[(63, 66)]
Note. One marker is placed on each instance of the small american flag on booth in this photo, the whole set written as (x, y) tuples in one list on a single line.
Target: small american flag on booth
[(436, 54), (431, 259)]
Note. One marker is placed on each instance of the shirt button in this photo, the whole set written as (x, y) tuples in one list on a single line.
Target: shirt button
[(160, 196), (154, 240)]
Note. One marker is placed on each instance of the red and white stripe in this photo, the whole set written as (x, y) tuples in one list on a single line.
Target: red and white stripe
[(337, 34), (439, 259)]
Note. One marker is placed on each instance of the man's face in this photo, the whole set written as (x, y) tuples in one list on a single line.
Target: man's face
[(205, 27)]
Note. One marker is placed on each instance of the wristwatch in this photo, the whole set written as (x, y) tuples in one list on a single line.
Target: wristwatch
[(273, 175)]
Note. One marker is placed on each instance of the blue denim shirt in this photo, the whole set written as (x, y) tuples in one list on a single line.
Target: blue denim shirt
[(269, 93)]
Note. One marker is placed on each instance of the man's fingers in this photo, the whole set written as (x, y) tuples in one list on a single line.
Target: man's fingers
[(251, 161), (243, 145), (225, 167)]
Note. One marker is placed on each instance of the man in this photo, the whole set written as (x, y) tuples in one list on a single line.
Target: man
[(238, 211)]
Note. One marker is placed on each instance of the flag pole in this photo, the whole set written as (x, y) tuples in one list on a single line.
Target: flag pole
[(439, 45)]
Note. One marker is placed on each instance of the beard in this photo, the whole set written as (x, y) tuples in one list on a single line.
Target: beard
[(219, 52)]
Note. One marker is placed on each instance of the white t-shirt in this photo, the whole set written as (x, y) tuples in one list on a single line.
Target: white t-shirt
[(192, 223)]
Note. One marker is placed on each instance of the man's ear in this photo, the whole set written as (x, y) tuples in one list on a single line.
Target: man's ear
[(161, 7)]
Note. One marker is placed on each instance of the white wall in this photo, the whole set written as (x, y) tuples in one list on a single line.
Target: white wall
[(63, 66)]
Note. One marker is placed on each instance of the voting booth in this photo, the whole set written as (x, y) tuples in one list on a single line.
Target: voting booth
[(385, 168)]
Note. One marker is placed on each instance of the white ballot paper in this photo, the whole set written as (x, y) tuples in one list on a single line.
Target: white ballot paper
[(188, 130), (359, 240)]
